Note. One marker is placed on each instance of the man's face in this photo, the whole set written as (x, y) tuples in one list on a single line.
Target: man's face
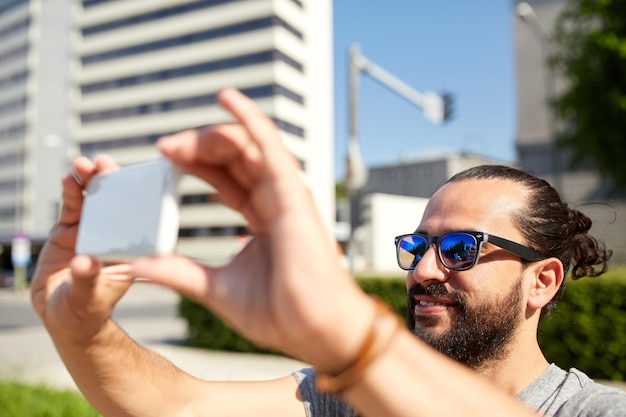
[(471, 316)]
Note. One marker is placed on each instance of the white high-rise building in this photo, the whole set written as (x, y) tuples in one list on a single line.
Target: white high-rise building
[(145, 68), (35, 113)]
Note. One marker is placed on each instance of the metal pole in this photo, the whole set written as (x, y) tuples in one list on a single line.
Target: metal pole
[(352, 182)]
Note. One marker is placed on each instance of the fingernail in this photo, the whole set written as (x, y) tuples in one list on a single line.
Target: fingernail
[(77, 177)]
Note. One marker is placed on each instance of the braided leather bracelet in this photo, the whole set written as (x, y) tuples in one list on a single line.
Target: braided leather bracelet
[(371, 349)]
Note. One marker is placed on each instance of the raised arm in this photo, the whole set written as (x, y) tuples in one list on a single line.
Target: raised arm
[(286, 290), (74, 297)]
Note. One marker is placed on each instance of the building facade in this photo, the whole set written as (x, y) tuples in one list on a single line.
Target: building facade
[(538, 127), (35, 114), (138, 70), (421, 176), (391, 203)]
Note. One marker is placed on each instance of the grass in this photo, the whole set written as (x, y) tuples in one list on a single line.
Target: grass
[(20, 400)]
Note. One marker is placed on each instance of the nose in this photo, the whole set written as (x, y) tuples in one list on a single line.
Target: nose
[(428, 269)]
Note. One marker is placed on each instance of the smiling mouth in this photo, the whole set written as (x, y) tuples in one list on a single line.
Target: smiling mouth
[(425, 303), (434, 301), (428, 306)]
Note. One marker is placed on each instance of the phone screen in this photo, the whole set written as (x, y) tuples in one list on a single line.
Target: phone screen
[(130, 212)]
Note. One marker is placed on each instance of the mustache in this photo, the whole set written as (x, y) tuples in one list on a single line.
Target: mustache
[(435, 289)]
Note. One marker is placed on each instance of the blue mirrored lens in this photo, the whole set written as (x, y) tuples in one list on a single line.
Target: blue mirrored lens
[(410, 251), (458, 250)]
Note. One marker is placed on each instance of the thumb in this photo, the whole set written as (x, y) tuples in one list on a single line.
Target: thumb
[(98, 286), (84, 271)]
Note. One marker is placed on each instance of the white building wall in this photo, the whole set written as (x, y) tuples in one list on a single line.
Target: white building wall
[(320, 165), (49, 136), (15, 28), (314, 84), (388, 216)]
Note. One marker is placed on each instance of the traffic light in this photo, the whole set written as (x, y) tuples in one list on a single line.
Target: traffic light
[(448, 106)]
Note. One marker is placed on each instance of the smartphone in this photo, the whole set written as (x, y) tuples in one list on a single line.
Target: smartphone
[(131, 212)]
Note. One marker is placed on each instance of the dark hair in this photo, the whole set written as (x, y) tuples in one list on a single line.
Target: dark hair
[(549, 225)]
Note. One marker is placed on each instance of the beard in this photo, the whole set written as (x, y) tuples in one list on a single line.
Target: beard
[(479, 334)]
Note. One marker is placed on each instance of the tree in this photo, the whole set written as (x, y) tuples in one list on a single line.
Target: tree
[(590, 55)]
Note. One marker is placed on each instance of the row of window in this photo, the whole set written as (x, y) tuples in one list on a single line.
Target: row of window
[(9, 212), (9, 4), (191, 199), (213, 231), (11, 158), (13, 106), (151, 16), (89, 3), (13, 79), (14, 54), (95, 148), (189, 39), (190, 70), (10, 185), (186, 103), (12, 132), (19, 26)]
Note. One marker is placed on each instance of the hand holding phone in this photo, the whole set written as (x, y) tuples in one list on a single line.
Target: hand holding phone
[(131, 212)]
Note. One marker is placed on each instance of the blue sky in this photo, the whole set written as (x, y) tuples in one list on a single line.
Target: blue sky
[(464, 47)]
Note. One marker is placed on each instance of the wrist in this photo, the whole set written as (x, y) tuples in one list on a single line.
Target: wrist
[(384, 327), (75, 338)]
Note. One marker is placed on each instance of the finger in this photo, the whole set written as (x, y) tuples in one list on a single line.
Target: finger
[(231, 192), (105, 163), (100, 285), (72, 197), (260, 128), (224, 146), (177, 273), (215, 144), (83, 170), (84, 271)]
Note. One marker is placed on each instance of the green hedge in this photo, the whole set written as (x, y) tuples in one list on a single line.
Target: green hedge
[(588, 328), (205, 330), (586, 331)]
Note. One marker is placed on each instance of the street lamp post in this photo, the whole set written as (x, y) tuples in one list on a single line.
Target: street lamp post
[(527, 14), (436, 109)]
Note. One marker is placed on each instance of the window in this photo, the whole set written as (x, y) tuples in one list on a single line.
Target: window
[(4, 6), (190, 38), (151, 16), (191, 102), (191, 70)]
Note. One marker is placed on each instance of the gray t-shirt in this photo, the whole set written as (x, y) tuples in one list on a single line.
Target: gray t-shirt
[(567, 394), (555, 393)]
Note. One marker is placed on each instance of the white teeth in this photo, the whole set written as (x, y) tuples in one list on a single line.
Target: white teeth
[(427, 303)]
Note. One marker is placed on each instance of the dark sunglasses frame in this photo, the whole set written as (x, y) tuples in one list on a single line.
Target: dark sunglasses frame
[(524, 252)]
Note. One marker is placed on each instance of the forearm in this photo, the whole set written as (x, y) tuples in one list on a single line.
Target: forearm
[(411, 379), (121, 378)]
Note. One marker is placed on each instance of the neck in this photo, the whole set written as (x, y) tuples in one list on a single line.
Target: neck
[(520, 367)]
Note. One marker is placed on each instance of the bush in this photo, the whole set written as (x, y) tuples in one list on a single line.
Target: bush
[(586, 331), (206, 330), (19, 400)]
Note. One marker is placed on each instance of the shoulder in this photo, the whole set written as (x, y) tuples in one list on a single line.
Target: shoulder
[(587, 398)]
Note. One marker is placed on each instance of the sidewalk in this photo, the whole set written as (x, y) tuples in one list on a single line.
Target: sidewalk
[(28, 355)]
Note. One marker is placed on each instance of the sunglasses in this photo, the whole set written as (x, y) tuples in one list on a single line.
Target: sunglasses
[(458, 251)]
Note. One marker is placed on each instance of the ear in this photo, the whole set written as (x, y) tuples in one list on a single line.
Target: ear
[(548, 276)]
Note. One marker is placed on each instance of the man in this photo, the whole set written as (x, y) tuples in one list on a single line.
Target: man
[(287, 290)]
